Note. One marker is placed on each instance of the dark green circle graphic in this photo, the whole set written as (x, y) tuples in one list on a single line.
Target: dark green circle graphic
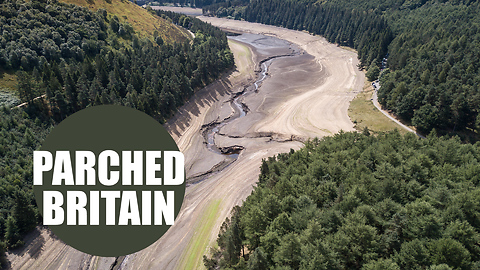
[(125, 131)]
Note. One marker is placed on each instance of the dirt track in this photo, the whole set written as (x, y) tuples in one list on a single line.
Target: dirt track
[(304, 97)]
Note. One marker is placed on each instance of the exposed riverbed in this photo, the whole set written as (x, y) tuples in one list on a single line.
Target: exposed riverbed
[(268, 50), (301, 96)]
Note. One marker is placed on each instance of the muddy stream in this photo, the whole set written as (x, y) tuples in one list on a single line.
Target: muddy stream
[(263, 44)]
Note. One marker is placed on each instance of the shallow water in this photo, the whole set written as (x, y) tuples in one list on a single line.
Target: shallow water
[(239, 113), (271, 49)]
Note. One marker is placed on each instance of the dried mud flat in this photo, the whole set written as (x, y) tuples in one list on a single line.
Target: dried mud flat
[(305, 94)]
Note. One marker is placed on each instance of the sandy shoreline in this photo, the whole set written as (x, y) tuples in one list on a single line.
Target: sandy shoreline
[(304, 97)]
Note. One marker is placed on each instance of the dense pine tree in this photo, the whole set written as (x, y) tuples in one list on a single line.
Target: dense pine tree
[(355, 201)]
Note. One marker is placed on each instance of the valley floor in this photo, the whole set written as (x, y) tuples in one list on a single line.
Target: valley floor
[(304, 96)]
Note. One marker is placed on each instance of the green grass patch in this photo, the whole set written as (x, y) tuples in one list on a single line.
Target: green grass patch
[(141, 20), (243, 56), (245, 52), (363, 113), (192, 257), (8, 80)]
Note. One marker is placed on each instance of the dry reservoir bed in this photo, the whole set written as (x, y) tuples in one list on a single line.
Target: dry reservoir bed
[(307, 87)]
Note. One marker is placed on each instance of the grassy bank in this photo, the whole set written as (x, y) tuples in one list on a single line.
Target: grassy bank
[(192, 256), (363, 113)]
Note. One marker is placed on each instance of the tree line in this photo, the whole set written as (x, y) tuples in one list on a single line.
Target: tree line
[(433, 74), (79, 58), (20, 135), (358, 201), (434, 77)]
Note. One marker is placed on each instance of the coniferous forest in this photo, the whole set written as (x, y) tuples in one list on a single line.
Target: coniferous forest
[(432, 75), (358, 201), (74, 58)]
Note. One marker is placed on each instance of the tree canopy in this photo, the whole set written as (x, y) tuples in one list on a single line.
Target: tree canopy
[(356, 201)]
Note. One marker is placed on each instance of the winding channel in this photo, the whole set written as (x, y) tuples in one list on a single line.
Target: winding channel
[(241, 111), (210, 130), (231, 153)]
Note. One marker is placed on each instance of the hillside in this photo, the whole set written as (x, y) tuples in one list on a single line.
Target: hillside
[(144, 22), (74, 58)]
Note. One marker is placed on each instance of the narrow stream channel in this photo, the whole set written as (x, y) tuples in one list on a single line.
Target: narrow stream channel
[(240, 112), (271, 48)]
